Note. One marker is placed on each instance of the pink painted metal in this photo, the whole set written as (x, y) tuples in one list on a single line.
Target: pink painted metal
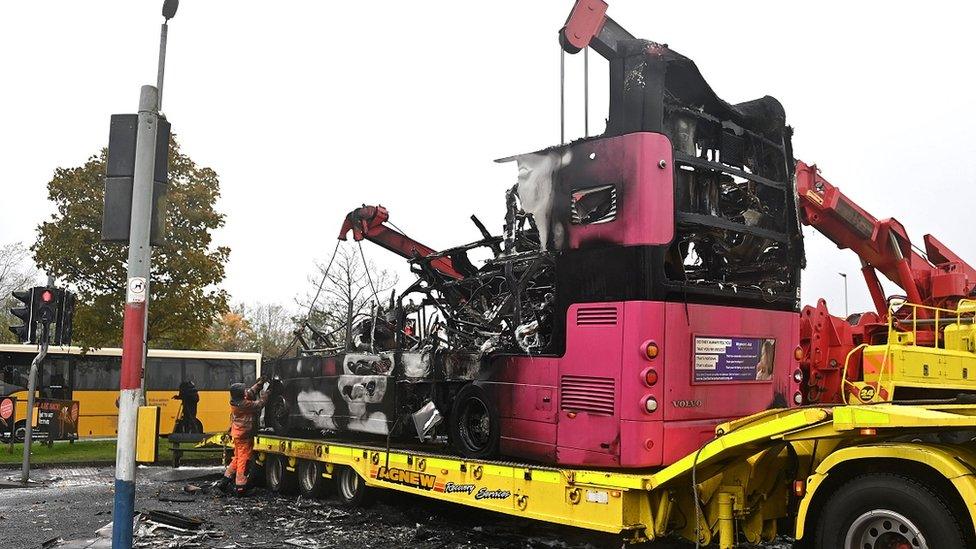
[(587, 407), (584, 23), (639, 165)]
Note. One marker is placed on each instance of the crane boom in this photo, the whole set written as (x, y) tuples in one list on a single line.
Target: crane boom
[(368, 222), (938, 277)]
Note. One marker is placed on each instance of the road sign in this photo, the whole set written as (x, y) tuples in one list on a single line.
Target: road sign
[(6, 408), (137, 290)]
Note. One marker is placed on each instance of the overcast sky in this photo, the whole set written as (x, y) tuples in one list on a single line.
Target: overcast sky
[(309, 109)]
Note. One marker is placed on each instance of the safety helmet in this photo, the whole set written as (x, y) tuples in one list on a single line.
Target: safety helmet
[(237, 392)]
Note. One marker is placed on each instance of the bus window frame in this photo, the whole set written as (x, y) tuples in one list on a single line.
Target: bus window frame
[(153, 368)]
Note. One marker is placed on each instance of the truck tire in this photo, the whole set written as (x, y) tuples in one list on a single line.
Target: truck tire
[(311, 484), (277, 477), (351, 489), (887, 510), (474, 427)]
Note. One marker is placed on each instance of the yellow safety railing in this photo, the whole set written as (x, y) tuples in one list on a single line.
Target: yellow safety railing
[(964, 311), (964, 307), (843, 375)]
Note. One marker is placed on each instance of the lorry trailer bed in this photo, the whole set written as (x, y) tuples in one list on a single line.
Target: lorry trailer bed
[(757, 471)]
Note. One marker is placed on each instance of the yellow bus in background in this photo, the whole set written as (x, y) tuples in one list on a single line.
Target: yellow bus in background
[(92, 379)]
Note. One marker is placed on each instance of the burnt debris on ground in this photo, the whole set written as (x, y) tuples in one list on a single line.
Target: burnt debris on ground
[(76, 512), (264, 520)]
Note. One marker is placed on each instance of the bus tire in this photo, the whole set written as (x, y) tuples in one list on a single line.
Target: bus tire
[(277, 477), (473, 427), (887, 510), (276, 415), (20, 431), (351, 488), (311, 483)]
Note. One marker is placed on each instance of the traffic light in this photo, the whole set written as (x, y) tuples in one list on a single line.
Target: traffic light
[(46, 300), (62, 335), (48, 306), (26, 332)]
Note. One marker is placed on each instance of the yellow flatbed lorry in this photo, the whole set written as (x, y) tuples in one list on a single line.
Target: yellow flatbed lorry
[(859, 476)]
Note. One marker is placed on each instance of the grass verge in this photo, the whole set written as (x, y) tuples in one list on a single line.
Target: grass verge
[(82, 451)]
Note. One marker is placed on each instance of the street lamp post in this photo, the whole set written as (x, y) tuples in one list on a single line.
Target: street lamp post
[(169, 11), (135, 318)]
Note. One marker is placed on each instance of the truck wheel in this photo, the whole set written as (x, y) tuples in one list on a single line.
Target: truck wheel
[(474, 425), (351, 489), (882, 510), (311, 484), (277, 477)]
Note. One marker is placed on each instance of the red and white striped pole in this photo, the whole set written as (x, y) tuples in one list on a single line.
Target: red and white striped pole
[(135, 318)]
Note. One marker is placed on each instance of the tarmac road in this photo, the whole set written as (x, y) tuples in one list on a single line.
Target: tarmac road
[(74, 502)]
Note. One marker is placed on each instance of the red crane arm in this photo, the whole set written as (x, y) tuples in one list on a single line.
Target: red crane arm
[(882, 245), (588, 25), (367, 223)]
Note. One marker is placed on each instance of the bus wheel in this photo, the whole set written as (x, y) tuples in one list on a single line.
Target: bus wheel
[(20, 431), (351, 489), (276, 415), (277, 477), (474, 425), (883, 510), (311, 483)]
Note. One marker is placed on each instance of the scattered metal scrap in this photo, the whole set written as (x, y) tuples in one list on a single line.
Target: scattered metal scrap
[(171, 519), (506, 304)]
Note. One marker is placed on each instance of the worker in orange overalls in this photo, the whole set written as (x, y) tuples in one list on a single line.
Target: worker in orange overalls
[(245, 405)]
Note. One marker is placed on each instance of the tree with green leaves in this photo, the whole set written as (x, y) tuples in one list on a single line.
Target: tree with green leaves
[(186, 271)]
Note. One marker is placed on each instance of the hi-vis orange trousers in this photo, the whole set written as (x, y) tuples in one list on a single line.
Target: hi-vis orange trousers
[(243, 448)]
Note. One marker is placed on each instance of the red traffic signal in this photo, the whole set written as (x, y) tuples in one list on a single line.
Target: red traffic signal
[(47, 308), (46, 311)]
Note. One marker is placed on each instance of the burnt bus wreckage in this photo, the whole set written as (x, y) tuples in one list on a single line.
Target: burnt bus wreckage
[(685, 200)]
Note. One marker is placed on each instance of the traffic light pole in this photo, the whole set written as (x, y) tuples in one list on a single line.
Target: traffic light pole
[(31, 389), (135, 318)]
